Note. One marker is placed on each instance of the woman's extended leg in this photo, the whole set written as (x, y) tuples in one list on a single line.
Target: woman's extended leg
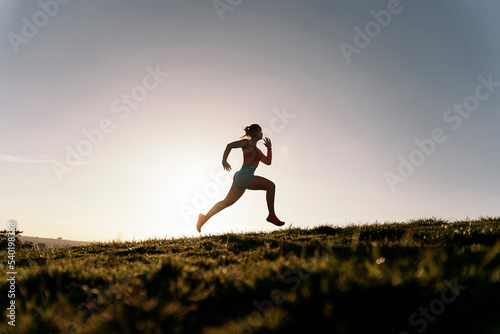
[(233, 195), (261, 183)]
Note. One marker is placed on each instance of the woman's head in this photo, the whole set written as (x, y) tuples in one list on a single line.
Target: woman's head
[(253, 131)]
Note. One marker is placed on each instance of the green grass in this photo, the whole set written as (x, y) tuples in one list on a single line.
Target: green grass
[(386, 278)]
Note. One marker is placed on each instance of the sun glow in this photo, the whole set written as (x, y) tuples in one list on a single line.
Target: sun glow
[(179, 191)]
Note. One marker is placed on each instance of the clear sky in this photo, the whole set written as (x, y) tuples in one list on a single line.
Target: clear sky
[(115, 114)]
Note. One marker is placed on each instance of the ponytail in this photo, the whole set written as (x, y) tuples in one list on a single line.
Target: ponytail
[(249, 129)]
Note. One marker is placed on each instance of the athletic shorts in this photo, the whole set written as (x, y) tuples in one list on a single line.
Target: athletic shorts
[(243, 177)]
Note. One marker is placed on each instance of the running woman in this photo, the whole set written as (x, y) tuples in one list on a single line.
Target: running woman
[(245, 178)]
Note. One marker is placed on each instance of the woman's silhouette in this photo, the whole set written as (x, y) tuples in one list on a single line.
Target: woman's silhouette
[(244, 178)]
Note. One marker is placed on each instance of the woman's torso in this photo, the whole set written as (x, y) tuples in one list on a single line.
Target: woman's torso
[(251, 155)]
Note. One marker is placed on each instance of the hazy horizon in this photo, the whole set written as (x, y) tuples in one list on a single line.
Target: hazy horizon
[(116, 115)]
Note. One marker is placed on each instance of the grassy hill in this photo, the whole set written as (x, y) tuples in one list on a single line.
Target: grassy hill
[(421, 276)]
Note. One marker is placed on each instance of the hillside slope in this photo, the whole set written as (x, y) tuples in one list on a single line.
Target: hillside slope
[(427, 276)]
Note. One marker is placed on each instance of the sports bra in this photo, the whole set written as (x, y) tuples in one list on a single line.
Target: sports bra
[(252, 156)]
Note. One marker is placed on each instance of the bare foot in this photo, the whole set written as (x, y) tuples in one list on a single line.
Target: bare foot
[(202, 219)]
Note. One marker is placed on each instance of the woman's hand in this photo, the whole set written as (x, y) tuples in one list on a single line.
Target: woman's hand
[(267, 142), (226, 166)]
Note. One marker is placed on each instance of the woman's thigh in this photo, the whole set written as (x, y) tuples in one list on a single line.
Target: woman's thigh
[(260, 183), (233, 195)]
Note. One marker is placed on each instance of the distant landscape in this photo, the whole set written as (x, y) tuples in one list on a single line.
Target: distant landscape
[(50, 242), (420, 276)]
